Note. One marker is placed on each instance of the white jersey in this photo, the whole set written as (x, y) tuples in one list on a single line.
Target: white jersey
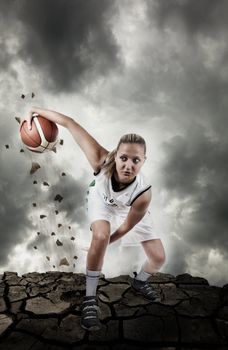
[(102, 185), (112, 204)]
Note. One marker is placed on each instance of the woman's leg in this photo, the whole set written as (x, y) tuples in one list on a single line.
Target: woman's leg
[(95, 257), (99, 243), (155, 255)]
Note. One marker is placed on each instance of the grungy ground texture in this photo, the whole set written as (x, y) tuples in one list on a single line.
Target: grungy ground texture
[(42, 311)]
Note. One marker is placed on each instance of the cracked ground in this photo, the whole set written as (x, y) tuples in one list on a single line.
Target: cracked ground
[(42, 311)]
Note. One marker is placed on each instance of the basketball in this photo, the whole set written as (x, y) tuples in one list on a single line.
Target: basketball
[(41, 137)]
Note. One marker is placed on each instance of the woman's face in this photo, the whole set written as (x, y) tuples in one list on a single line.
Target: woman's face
[(129, 160)]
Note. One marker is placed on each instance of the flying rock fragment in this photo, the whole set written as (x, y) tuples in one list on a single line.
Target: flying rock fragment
[(58, 197), (18, 119), (43, 216), (64, 261), (59, 225), (61, 142), (72, 238), (46, 183), (34, 182), (56, 211), (58, 242), (48, 258), (7, 146), (34, 168), (53, 234)]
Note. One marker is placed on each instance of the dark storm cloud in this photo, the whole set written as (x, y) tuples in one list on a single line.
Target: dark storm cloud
[(197, 16), (196, 169), (4, 57), (66, 41), (195, 166), (14, 204)]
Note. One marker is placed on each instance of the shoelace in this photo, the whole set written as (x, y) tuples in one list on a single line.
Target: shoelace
[(90, 311), (148, 289)]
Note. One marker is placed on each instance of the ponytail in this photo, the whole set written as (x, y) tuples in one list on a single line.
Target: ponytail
[(110, 164)]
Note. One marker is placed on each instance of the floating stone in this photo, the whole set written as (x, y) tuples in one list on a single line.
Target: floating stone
[(64, 261), (59, 243), (35, 167), (58, 197)]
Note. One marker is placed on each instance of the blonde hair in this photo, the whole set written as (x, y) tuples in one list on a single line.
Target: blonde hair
[(110, 164)]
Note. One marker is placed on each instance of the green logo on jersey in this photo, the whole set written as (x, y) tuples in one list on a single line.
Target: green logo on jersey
[(92, 183)]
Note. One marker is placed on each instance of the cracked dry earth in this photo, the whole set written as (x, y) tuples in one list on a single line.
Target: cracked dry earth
[(42, 311)]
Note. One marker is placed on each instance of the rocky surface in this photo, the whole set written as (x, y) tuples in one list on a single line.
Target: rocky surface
[(42, 311)]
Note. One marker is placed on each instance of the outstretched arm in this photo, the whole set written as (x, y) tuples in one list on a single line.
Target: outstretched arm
[(135, 214), (94, 152)]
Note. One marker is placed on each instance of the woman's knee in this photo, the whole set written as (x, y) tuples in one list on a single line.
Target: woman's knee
[(101, 231), (101, 236), (159, 257), (155, 252)]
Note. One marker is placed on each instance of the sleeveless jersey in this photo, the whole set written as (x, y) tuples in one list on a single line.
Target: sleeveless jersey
[(102, 189)]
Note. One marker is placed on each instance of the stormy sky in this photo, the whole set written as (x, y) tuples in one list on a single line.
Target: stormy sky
[(157, 68)]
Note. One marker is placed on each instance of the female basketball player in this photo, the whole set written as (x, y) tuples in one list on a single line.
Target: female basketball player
[(119, 190)]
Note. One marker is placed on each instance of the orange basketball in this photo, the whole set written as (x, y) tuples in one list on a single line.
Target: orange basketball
[(41, 137)]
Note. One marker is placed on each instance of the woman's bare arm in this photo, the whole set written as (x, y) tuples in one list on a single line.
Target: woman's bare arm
[(93, 151), (135, 214)]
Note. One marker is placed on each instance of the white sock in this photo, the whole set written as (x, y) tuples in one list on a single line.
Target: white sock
[(92, 279), (142, 275)]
